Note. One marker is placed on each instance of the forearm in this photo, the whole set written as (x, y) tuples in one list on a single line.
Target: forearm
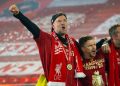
[(33, 28), (100, 43)]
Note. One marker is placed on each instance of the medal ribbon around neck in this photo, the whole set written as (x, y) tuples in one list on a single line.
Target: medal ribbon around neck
[(68, 57)]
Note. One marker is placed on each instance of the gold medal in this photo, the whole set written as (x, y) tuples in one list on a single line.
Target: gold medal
[(69, 66)]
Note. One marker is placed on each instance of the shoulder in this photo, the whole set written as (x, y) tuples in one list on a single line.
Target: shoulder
[(44, 35)]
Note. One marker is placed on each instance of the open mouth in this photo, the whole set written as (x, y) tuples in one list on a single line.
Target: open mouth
[(63, 27), (94, 51)]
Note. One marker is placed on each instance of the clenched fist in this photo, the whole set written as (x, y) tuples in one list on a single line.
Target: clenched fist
[(14, 9)]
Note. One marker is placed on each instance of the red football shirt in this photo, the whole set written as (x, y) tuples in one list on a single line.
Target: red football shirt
[(97, 64)]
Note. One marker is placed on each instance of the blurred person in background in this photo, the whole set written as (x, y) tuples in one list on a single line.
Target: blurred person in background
[(114, 56), (94, 62), (58, 52)]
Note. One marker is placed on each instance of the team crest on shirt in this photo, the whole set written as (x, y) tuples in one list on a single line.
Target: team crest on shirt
[(58, 75)]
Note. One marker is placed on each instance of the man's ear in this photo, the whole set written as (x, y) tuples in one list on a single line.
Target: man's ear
[(83, 49), (52, 25), (114, 36)]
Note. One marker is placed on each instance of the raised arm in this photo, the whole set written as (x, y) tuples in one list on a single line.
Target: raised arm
[(33, 28)]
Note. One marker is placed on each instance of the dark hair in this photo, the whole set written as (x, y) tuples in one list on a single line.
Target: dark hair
[(112, 30), (84, 39)]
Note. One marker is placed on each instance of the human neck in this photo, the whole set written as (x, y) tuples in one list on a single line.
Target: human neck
[(88, 57), (117, 45), (63, 39), (61, 35)]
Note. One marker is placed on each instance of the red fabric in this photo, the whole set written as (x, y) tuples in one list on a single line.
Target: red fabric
[(90, 66), (114, 73), (60, 59), (46, 45)]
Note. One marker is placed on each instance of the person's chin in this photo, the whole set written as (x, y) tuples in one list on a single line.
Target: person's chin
[(93, 55), (64, 32)]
